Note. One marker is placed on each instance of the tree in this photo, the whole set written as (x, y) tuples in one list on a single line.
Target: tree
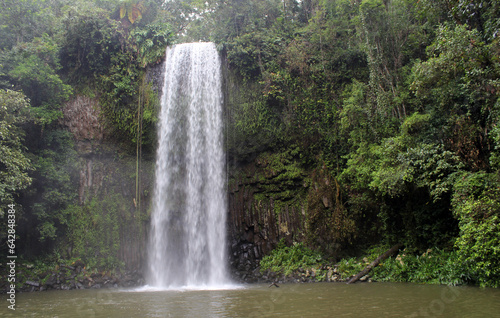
[(151, 41), (482, 15), (34, 69), (458, 86), (21, 21), (14, 162), (390, 35)]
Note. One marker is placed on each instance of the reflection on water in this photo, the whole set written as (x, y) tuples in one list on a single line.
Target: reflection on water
[(290, 300)]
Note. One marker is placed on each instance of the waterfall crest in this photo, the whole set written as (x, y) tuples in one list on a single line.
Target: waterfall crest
[(187, 238)]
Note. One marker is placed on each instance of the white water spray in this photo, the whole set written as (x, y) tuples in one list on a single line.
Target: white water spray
[(187, 239)]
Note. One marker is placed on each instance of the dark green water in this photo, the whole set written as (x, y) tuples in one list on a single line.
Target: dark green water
[(290, 300)]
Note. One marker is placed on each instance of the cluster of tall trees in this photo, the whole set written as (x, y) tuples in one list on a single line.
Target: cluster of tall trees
[(398, 99)]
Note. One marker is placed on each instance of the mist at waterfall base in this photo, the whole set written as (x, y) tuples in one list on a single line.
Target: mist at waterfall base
[(187, 247)]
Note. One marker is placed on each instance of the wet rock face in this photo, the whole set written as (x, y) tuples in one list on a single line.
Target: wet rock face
[(81, 116), (244, 263), (261, 213), (276, 197)]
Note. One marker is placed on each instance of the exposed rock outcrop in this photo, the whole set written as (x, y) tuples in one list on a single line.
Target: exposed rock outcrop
[(82, 117)]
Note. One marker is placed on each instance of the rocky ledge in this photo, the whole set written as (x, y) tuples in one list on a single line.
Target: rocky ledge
[(325, 273), (67, 277)]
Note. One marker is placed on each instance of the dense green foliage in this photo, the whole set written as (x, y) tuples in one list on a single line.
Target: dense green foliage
[(14, 162), (51, 53), (94, 232), (382, 117), (431, 267), (476, 205), (395, 101), (55, 179), (285, 259)]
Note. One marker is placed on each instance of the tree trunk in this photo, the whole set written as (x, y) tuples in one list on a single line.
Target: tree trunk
[(379, 259)]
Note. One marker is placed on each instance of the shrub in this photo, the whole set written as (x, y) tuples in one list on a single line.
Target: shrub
[(476, 205), (432, 267), (284, 259)]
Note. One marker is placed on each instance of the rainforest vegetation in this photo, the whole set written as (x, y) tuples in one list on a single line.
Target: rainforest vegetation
[(395, 103)]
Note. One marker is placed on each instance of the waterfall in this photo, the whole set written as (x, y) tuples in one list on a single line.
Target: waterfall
[(187, 239)]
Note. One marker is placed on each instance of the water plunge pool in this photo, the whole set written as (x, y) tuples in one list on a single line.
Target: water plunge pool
[(289, 300)]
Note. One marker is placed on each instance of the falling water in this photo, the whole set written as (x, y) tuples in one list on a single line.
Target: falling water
[(187, 242)]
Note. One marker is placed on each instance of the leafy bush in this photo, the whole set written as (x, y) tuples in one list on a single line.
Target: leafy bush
[(432, 267), (284, 259), (349, 267), (476, 204)]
